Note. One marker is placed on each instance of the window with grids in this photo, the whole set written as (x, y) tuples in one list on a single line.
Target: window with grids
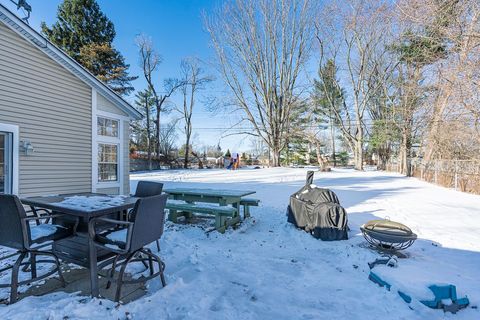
[(107, 162), (107, 127)]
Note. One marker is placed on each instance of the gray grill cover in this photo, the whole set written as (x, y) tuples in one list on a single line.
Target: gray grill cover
[(318, 211)]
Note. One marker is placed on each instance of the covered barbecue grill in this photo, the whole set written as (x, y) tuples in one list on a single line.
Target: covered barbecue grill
[(318, 211)]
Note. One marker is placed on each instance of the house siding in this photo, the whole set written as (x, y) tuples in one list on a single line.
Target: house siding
[(105, 105), (112, 191), (53, 110)]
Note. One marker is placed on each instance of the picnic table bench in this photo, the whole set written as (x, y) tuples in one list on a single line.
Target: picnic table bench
[(226, 212)]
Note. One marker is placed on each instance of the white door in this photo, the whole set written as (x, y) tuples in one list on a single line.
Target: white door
[(6, 161)]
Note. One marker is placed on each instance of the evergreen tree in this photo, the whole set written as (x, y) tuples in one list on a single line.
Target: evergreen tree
[(85, 33), (328, 100)]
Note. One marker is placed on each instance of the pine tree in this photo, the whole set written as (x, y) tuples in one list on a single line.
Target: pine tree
[(85, 33), (328, 100)]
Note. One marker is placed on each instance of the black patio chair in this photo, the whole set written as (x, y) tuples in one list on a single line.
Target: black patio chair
[(148, 189), (146, 225), (17, 233)]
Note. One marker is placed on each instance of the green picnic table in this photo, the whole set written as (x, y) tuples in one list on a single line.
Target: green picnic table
[(196, 200)]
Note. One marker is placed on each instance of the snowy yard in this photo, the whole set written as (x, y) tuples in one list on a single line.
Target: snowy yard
[(266, 269)]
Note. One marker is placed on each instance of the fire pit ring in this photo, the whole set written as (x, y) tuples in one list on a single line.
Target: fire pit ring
[(388, 235)]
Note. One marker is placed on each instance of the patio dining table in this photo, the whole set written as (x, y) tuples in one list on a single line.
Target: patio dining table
[(80, 248)]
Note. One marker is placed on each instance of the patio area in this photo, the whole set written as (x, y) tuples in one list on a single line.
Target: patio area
[(78, 282)]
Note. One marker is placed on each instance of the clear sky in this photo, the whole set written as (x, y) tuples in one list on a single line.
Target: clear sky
[(176, 29)]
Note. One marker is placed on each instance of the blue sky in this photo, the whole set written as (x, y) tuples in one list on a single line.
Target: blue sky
[(177, 31)]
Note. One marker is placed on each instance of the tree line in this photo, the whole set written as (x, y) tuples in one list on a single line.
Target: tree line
[(392, 75), (394, 79)]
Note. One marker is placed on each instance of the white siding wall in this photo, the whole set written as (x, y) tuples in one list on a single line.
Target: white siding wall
[(53, 109), (105, 105)]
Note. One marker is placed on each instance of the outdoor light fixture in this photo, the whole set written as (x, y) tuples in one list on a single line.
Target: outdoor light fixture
[(26, 147)]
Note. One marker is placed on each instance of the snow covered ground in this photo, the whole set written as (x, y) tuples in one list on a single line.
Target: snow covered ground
[(266, 269)]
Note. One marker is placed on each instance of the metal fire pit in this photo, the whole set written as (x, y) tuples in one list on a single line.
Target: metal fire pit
[(388, 235)]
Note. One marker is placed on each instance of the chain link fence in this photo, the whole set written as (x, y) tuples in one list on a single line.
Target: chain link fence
[(461, 175)]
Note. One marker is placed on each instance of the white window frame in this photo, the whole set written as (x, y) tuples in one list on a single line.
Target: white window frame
[(112, 119), (117, 145), (96, 139), (14, 130)]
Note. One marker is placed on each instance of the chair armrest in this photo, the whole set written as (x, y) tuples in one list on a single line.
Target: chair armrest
[(38, 210), (26, 220), (43, 217), (25, 224), (114, 221), (92, 233)]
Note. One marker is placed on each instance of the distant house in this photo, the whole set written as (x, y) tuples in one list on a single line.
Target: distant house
[(61, 129)]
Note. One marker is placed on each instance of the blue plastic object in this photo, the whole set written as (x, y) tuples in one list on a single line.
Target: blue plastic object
[(446, 292), (440, 292), (382, 283)]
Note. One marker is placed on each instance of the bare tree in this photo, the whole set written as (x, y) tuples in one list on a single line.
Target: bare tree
[(149, 62), (261, 46), (168, 138), (193, 79), (354, 35)]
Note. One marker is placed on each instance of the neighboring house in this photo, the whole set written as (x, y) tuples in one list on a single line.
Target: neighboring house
[(61, 129)]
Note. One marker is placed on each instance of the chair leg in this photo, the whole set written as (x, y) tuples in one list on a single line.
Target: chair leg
[(33, 265), (158, 245), (120, 277), (112, 272), (161, 269), (150, 262), (35, 253), (143, 261), (59, 269), (26, 267), (14, 280)]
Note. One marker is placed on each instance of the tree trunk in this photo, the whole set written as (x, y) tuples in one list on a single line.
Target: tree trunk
[(275, 157), (157, 134), (382, 155), (187, 151), (149, 137), (405, 150), (319, 156), (359, 150), (332, 137), (200, 162), (307, 156)]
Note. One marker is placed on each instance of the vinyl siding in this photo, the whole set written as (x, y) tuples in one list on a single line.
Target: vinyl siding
[(53, 110), (113, 190), (105, 105)]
